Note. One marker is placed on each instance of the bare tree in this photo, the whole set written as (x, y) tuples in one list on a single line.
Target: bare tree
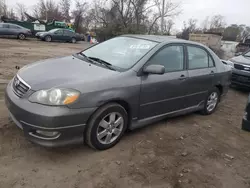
[(141, 8), (3, 8), (48, 10), (78, 14), (170, 10), (125, 11), (217, 23), (168, 26), (20, 9), (65, 8), (188, 27), (205, 24)]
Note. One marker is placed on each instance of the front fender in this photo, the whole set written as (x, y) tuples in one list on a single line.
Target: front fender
[(129, 95)]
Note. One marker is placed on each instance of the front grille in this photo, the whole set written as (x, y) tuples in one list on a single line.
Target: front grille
[(238, 66), (241, 79), (242, 67), (19, 86)]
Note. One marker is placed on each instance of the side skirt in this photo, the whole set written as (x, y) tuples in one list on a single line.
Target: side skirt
[(143, 122)]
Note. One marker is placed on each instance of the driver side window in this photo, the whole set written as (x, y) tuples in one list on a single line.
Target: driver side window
[(171, 57), (59, 32)]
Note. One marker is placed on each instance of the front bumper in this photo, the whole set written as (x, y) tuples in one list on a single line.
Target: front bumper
[(32, 118), (240, 78)]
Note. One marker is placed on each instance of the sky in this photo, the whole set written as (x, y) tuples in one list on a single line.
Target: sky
[(234, 11)]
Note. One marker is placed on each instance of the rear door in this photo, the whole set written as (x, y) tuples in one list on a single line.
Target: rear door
[(162, 94), (4, 29), (201, 73), (14, 29)]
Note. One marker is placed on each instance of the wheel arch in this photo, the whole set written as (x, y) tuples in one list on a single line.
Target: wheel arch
[(119, 101), (220, 88), (47, 36)]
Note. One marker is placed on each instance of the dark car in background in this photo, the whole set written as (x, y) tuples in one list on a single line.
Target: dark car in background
[(246, 117), (7, 29), (59, 35), (240, 69), (123, 83)]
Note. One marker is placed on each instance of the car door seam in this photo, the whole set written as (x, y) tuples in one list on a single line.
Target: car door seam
[(149, 103)]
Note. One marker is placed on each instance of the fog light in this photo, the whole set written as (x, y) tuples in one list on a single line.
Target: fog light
[(47, 133)]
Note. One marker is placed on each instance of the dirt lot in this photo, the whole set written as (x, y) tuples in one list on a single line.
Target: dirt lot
[(190, 151)]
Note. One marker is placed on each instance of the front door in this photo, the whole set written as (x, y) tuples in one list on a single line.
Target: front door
[(201, 72), (58, 35), (67, 35), (162, 94)]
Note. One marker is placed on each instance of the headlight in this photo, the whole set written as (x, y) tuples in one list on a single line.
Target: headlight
[(55, 96), (230, 63)]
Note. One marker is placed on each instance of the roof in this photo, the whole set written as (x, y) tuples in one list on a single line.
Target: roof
[(162, 39)]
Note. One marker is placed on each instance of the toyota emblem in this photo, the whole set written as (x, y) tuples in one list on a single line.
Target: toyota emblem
[(17, 83)]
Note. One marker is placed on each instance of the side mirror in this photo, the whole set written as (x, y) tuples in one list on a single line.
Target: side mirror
[(154, 69)]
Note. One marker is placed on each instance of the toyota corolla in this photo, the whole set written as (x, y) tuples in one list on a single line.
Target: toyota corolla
[(127, 82)]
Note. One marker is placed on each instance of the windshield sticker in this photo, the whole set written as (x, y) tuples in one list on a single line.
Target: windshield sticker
[(140, 46)]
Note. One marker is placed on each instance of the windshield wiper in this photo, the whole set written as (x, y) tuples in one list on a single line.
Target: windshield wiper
[(86, 57), (105, 63)]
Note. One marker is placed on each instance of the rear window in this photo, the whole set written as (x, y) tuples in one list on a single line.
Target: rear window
[(3, 25)]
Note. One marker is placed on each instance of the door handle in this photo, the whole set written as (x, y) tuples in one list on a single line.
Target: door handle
[(182, 77), (212, 73)]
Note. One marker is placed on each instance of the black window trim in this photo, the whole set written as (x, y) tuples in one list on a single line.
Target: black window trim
[(168, 45), (201, 47)]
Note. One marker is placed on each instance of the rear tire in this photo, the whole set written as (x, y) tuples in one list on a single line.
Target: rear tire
[(106, 126), (73, 40), (48, 38), (211, 101), (21, 36)]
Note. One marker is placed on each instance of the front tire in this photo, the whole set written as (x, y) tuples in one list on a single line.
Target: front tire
[(211, 102), (106, 126), (48, 38), (73, 40), (21, 36)]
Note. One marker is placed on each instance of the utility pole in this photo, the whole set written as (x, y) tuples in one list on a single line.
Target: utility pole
[(162, 16)]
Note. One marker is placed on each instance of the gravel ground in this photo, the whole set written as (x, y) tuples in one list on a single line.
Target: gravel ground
[(189, 151)]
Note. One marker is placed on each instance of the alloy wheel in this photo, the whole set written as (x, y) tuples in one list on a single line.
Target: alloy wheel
[(110, 128), (73, 40), (21, 36), (48, 38), (212, 101)]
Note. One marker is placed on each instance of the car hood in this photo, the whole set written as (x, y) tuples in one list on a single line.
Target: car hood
[(62, 71), (241, 60)]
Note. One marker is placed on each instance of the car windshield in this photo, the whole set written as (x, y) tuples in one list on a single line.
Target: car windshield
[(120, 52), (247, 54)]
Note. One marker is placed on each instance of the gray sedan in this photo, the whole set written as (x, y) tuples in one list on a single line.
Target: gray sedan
[(124, 83), (241, 69), (59, 35), (7, 29)]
